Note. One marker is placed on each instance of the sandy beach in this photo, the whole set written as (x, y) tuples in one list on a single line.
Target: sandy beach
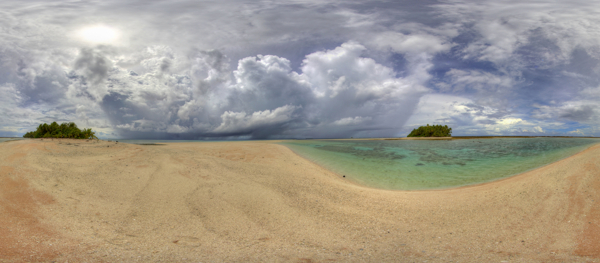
[(89, 201)]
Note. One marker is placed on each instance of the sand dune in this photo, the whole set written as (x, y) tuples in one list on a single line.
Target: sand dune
[(259, 202)]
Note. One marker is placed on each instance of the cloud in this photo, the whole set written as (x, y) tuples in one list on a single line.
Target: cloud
[(352, 121), (337, 92), (343, 70), (468, 118), (346, 84), (239, 123), (346, 68), (475, 80), (580, 114), (413, 43), (93, 65), (9, 102), (582, 109), (332, 85), (577, 132), (579, 111), (267, 82), (94, 68)]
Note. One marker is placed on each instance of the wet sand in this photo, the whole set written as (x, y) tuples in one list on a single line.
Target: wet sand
[(259, 202)]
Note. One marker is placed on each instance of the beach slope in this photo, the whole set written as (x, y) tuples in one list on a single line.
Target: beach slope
[(80, 201)]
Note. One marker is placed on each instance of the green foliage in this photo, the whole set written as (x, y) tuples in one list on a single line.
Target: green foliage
[(64, 130), (431, 131)]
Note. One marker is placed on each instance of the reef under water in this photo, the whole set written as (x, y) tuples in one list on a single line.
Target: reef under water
[(432, 164)]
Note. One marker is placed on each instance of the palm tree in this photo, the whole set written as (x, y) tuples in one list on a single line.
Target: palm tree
[(64, 130)]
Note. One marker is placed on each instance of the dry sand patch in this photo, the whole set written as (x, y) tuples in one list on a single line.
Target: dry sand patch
[(258, 201)]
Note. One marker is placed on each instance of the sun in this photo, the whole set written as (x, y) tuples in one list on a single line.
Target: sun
[(99, 34)]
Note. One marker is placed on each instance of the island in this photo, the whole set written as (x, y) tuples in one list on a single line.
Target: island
[(64, 130), (431, 131)]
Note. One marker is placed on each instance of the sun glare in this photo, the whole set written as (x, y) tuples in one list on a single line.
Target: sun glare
[(99, 34)]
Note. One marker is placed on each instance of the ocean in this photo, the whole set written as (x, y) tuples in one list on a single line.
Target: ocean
[(9, 139), (435, 164)]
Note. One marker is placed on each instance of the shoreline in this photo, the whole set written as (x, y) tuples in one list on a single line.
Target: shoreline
[(259, 201), (524, 173), (438, 189), (461, 138)]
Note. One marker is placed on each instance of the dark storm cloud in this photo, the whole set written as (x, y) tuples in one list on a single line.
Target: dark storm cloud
[(583, 113), (335, 94), (164, 66), (94, 66)]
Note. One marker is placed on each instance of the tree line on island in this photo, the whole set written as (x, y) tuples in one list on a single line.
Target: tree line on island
[(70, 130), (64, 130), (431, 131)]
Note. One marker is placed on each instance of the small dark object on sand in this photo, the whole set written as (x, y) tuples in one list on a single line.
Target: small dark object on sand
[(344, 176)]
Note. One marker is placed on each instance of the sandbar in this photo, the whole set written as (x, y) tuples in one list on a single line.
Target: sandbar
[(257, 201)]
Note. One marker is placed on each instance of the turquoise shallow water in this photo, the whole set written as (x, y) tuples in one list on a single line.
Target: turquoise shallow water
[(429, 164), (9, 139)]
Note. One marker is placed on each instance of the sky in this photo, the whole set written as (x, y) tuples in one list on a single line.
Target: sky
[(232, 69)]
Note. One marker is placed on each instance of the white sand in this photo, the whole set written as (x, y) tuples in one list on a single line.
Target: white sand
[(259, 202)]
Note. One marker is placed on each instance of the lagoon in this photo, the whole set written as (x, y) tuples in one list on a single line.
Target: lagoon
[(435, 164), (10, 139)]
